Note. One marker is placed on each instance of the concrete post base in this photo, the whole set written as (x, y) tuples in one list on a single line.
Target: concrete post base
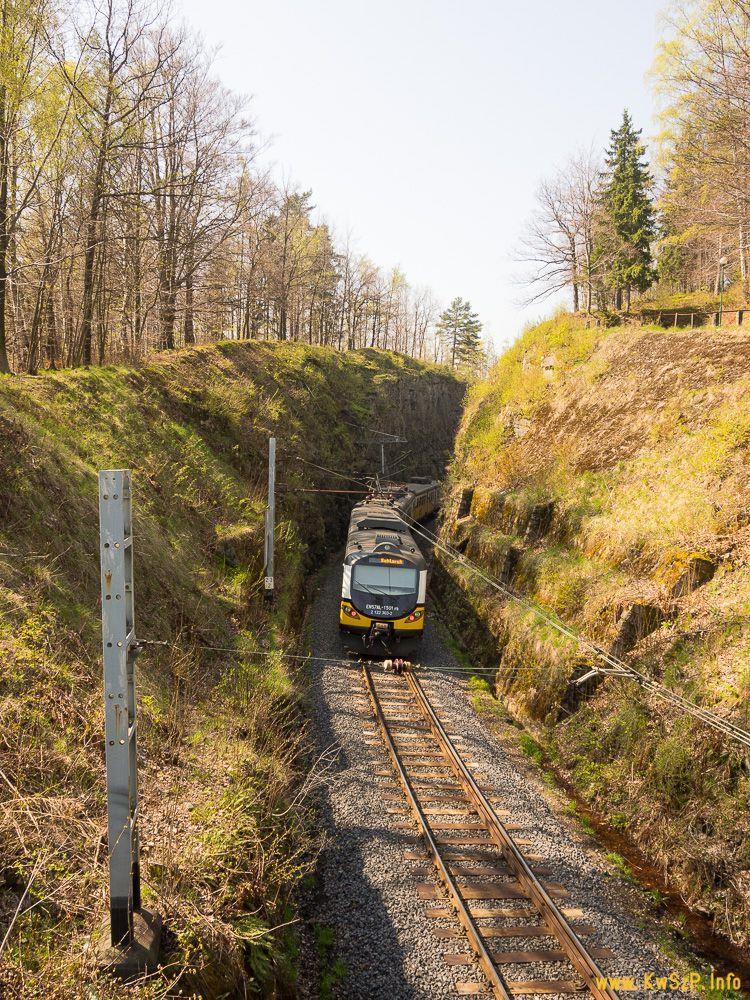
[(131, 961)]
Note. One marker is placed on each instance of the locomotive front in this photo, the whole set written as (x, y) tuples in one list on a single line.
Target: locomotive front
[(384, 585)]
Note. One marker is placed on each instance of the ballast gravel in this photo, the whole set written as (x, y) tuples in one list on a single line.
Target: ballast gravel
[(366, 934)]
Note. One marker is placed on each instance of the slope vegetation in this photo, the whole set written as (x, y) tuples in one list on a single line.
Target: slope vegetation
[(225, 834), (605, 474)]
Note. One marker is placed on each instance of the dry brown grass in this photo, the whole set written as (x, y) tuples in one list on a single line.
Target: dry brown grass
[(641, 440), (225, 776)]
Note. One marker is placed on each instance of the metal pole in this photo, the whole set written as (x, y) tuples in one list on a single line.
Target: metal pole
[(270, 518), (382, 459), (119, 647)]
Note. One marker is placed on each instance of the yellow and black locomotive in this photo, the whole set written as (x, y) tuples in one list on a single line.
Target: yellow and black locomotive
[(382, 611)]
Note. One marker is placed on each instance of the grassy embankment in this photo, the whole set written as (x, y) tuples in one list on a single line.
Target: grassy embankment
[(706, 302), (225, 829), (610, 471)]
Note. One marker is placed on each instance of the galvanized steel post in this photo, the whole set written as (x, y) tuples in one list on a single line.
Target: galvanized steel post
[(270, 518), (119, 647)]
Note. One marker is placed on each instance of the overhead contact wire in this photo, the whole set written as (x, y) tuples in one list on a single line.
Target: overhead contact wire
[(332, 472), (621, 667)]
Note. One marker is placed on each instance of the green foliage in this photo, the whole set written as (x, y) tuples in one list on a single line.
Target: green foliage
[(479, 684), (571, 808), (332, 969), (674, 772), (623, 247), (590, 776), (618, 820), (620, 864), (459, 328), (531, 748)]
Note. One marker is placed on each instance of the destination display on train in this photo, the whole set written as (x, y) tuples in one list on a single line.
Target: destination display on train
[(382, 560)]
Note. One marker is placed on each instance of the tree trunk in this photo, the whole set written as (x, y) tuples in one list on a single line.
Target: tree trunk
[(719, 255), (102, 308), (51, 345), (68, 324), (136, 250), (87, 314), (574, 273), (4, 360), (189, 324), (4, 226), (35, 334), (743, 259), (167, 315)]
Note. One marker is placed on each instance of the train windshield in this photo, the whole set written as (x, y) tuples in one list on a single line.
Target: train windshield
[(388, 581), (384, 591)]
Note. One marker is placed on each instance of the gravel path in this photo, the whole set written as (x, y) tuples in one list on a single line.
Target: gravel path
[(364, 889)]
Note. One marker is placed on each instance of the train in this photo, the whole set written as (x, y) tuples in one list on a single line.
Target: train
[(384, 581)]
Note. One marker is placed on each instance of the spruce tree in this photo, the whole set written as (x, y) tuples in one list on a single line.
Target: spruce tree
[(628, 227), (459, 329)]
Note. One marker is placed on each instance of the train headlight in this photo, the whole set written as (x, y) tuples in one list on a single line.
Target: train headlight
[(350, 611), (414, 616)]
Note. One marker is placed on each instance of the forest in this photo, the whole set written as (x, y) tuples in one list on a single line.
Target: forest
[(610, 227), (135, 214)]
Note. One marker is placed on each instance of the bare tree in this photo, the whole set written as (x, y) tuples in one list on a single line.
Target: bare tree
[(557, 248), (124, 52), (24, 32), (133, 215)]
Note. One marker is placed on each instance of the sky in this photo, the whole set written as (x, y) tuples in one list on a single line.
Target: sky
[(424, 128)]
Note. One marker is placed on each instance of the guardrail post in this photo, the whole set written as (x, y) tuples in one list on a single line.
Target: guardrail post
[(119, 648), (270, 519)]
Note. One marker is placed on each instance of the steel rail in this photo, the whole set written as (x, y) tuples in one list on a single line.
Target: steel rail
[(470, 926), (576, 952)]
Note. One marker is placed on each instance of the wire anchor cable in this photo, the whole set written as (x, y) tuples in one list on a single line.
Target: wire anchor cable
[(617, 666)]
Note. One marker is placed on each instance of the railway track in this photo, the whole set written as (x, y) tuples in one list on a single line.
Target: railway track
[(510, 918)]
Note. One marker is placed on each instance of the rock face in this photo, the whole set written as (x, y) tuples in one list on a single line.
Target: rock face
[(638, 621), (548, 367), (424, 407), (609, 471), (540, 521), (464, 506), (689, 573)]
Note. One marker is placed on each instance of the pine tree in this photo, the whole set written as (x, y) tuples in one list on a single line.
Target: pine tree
[(459, 328), (627, 226)]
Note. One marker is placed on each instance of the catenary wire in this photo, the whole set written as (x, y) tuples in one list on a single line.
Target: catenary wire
[(618, 666), (330, 472)]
